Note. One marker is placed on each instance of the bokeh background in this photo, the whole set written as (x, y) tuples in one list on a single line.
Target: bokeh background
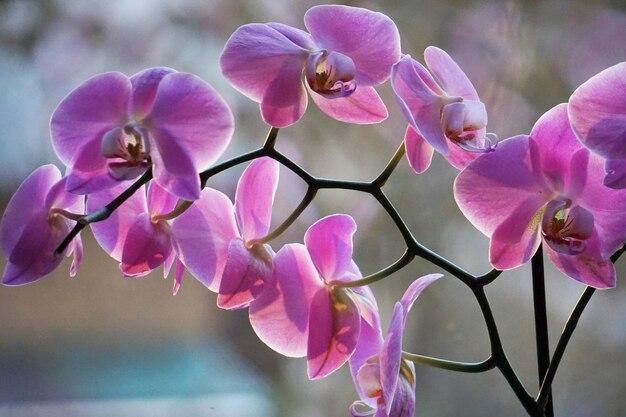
[(104, 345)]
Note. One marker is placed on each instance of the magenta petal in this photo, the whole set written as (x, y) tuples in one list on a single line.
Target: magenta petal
[(297, 36), (391, 354), (189, 112), (597, 110), (178, 276), (111, 233), (334, 326), (80, 182), (403, 404), (280, 314), (369, 344), (369, 38), (88, 112), (448, 74), (174, 171), (418, 151), (284, 101), (254, 198), (202, 235), (615, 170), (414, 290), (245, 273), (144, 87), (147, 246), (159, 200), (589, 267), (329, 241), (364, 106), (77, 251)]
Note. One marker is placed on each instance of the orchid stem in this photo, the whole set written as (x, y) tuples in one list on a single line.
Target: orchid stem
[(391, 166), (384, 273), (270, 140), (541, 325), (467, 367)]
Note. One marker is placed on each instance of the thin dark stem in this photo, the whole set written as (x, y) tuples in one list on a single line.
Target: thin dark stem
[(270, 140), (541, 324), (380, 181), (467, 367), (370, 279), (223, 166), (544, 396)]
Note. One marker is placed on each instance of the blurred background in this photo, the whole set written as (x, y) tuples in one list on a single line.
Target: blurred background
[(104, 345)]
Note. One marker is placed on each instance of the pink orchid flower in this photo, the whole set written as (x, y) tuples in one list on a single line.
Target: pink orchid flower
[(546, 187), (597, 111), (443, 110), (384, 381), (113, 128), (218, 241), (34, 225), (301, 313), (346, 52)]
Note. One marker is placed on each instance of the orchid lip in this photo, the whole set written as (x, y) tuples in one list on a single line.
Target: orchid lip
[(566, 229), (128, 150), (330, 74)]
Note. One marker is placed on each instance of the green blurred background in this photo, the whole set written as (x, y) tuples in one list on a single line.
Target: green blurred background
[(104, 345)]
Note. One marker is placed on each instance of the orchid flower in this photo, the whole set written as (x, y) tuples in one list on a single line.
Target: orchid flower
[(219, 243), (443, 110), (546, 187), (113, 128), (34, 225), (597, 111), (385, 382), (346, 51), (301, 312)]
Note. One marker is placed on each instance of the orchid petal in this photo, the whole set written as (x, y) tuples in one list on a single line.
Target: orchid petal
[(597, 112), (174, 171), (369, 38), (329, 241), (363, 106), (448, 74), (178, 276), (159, 201), (391, 354), (245, 272), (146, 247), (111, 233), (418, 151), (254, 198), (144, 89), (334, 325), (280, 313), (369, 344), (88, 112), (297, 36), (202, 235), (403, 404), (615, 170), (413, 291), (77, 251)]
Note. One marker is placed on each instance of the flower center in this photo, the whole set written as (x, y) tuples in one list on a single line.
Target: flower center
[(566, 229), (460, 121), (129, 151), (330, 74)]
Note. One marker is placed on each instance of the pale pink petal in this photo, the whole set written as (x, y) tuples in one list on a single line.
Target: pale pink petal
[(413, 291), (298, 36), (159, 200), (255, 196), (178, 276), (144, 89), (146, 247), (391, 354), (329, 241), (245, 273), (459, 157), (369, 344), (88, 112), (202, 235), (448, 74), (77, 250), (334, 326), (403, 404), (369, 38), (418, 151), (280, 314), (364, 106), (111, 233), (597, 110)]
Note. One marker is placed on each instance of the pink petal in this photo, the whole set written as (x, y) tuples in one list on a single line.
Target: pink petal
[(245, 273), (511, 254), (111, 233), (265, 64), (597, 110), (297, 36), (146, 247), (88, 112), (255, 196), (28, 202), (59, 197), (202, 235), (81, 182), (364, 106), (144, 89), (615, 170), (280, 314), (174, 171), (413, 291), (448, 74), (159, 200), (334, 325), (391, 354), (329, 241), (403, 404), (77, 250), (418, 151), (369, 344), (178, 276), (589, 267), (369, 38), (420, 104)]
